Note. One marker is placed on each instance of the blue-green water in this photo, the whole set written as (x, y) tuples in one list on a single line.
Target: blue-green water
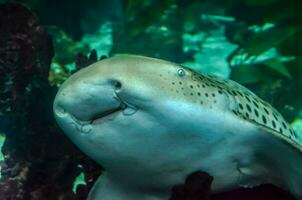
[(254, 42)]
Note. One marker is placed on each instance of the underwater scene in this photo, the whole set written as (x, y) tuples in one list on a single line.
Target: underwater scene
[(151, 100)]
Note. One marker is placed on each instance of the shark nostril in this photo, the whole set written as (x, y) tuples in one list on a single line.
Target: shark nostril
[(117, 85)]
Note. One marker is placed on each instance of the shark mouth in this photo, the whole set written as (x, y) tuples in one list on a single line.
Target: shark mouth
[(124, 108), (109, 114)]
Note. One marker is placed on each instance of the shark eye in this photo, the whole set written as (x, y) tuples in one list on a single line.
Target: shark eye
[(181, 72)]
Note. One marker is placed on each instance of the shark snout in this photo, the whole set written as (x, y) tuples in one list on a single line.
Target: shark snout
[(86, 101)]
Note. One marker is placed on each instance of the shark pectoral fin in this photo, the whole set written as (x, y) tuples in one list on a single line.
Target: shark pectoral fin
[(294, 180), (107, 188)]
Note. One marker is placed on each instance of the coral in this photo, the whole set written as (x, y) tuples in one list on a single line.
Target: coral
[(83, 61), (65, 47), (196, 187), (39, 161), (264, 192), (25, 51)]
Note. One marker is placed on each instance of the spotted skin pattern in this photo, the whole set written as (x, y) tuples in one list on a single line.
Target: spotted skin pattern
[(186, 120), (212, 92)]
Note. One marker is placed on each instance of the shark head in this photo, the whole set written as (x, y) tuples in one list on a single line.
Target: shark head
[(115, 104), (151, 123)]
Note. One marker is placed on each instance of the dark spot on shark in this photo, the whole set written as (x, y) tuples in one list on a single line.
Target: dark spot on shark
[(256, 104), (256, 112), (265, 109), (264, 119), (247, 115), (275, 116), (228, 91), (293, 133), (280, 130), (240, 106), (248, 107), (247, 98), (240, 93), (284, 125)]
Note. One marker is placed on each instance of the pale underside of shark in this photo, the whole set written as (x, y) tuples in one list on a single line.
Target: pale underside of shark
[(150, 123)]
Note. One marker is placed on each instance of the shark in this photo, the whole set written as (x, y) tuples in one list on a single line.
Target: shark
[(150, 123)]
